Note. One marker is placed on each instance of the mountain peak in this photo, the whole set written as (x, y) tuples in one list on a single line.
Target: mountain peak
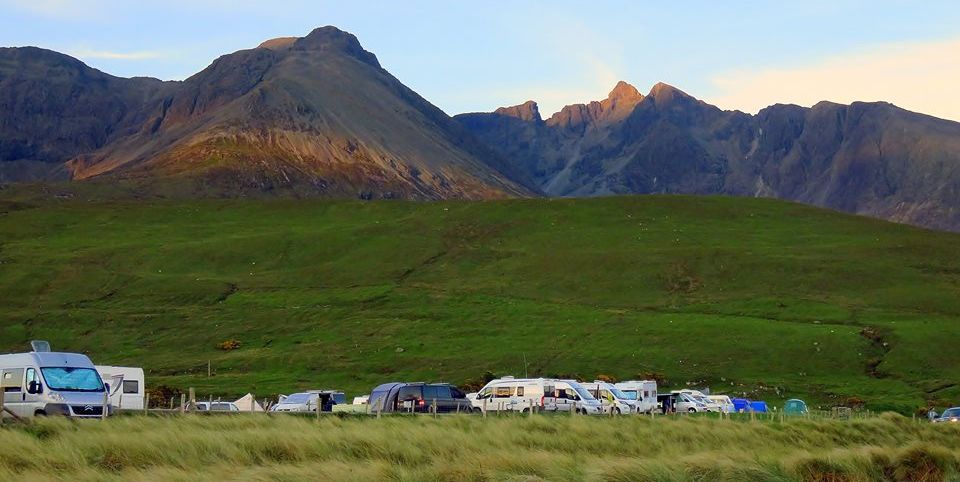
[(666, 92), (332, 39), (527, 111), (625, 91), (279, 43)]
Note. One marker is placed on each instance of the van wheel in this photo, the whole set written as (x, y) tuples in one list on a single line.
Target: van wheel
[(692, 410), (39, 413), (616, 411), (526, 410), (477, 410)]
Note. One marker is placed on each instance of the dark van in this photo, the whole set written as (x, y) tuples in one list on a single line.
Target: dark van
[(418, 397)]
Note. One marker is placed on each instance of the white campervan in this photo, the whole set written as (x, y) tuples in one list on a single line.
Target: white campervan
[(688, 402), (610, 397), (513, 394), (726, 405), (46, 383), (643, 392), (712, 406), (126, 386)]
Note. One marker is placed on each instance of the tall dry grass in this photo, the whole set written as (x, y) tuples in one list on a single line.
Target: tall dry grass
[(468, 448)]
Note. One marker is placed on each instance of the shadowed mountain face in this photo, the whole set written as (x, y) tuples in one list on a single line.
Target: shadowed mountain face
[(312, 115), (867, 158)]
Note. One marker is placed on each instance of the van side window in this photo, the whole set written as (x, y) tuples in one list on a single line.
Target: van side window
[(457, 393), (431, 392), (485, 393), (12, 380), (131, 386), (503, 392), (410, 393), (31, 377), (519, 391)]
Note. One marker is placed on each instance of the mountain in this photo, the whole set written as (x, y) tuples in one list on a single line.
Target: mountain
[(53, 107), (867, 158), (311, 115)]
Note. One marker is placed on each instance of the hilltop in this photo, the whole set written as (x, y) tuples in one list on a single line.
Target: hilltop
[(767, 298)]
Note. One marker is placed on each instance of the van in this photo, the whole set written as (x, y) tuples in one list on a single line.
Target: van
[(513, 394), (126, 386), (642, 392), (42, 383), (418, 397), (726, 405), (611, 398), (699, 396), (569, 395), (216, 407), (682, 401)]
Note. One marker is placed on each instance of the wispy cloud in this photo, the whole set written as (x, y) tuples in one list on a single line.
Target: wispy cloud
[(919, 76), (103, 54)]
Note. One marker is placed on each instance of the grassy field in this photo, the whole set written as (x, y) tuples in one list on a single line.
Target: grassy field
[(468, 448), (759, 297)]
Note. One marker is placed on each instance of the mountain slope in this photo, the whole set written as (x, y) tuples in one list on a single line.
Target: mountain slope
[(53, 107), (866, 158), (313, 115)]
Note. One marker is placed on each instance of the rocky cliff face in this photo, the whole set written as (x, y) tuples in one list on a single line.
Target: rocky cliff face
[(867, 158)]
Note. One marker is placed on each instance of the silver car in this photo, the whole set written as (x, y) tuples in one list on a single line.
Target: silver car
[(950, 415)]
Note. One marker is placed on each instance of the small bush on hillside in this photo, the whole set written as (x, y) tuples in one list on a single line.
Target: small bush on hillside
[(606, 378), (160, 395), (658, 377), (475, 384), (228, 345), (855, 402)]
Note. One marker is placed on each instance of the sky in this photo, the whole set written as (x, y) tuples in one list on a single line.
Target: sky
[(477, 56)]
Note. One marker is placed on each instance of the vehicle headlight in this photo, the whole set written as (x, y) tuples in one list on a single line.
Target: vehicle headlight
[(56, 397)]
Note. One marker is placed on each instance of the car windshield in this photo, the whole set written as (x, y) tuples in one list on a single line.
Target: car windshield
[(298, 398), (951, 412), (70, 379)]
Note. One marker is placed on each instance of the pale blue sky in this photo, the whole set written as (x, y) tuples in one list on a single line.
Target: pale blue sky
[(473, 56)]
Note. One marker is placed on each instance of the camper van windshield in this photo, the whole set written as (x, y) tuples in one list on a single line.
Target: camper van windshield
[(298, 398), (619, 394), (584, 395), (69, 379)]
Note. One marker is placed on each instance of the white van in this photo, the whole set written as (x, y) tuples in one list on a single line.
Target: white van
[(688, 402), (610, 397), (47, 383), (126, 386), (512, 394), (726, 405), (643, 392), (712, 406)]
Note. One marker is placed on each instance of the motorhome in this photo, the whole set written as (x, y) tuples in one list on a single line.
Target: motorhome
[(513, 394), (42, 382), (643, 392), (522, 394), (610, 397), (126, 386)]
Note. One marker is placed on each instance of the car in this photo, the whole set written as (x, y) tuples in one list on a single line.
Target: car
[(795, 407), (418, 397), (216, 407), (950, 415), (309, 401)]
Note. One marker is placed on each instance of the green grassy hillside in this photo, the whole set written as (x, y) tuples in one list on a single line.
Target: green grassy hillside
[(762, 297)]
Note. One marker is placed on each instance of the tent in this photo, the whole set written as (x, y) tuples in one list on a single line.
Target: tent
[(247, 403)]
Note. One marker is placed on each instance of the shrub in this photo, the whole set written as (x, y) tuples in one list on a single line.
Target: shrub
[(228, 345)]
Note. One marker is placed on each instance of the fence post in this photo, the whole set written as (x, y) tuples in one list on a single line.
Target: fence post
[(434, 408), (106, 405), (484, 409), (146, 403), (183, 403), (380, 406), (318, 408), (531, 406), (193, 399), (3, 394)]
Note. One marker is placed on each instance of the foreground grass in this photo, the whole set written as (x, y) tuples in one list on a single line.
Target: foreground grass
[(260, 448), (765, 298)]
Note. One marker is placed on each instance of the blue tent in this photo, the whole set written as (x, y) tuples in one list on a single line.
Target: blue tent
[(741, 405), (758, 406)]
